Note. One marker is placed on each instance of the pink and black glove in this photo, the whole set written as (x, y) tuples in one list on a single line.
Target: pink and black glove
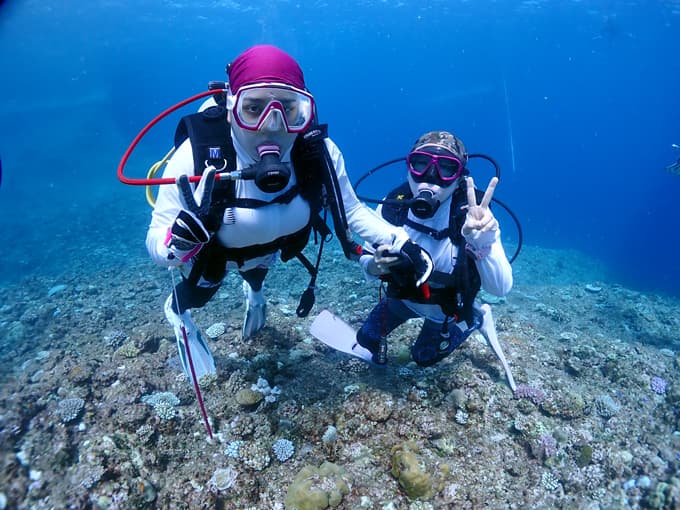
[(188, 233)]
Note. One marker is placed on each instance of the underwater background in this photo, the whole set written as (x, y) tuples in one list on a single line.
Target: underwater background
[(577, 101)]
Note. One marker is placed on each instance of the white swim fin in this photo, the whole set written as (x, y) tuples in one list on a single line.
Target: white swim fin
[(339, 335), (201, 357), (256, 311), (488, 330)]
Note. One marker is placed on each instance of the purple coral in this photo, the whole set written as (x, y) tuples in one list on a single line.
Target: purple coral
[(534, 394), (658, 385), (548, 444)]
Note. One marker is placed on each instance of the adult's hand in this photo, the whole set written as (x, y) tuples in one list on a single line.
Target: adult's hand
[(197, 202), (188, 234), (411, 265), (382, 260)]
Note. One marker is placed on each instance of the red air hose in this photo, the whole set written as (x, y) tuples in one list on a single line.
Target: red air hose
[(140, 135)]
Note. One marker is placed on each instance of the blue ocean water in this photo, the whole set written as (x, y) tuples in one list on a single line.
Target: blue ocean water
[(590, 98)]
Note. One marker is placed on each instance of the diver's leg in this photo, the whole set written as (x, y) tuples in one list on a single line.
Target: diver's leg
[(674, 168), (434, 343), (256, 306), (187, 295), (383, 319)]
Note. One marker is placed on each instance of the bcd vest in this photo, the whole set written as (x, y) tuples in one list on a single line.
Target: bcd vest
[(316, 183), (456, 291)]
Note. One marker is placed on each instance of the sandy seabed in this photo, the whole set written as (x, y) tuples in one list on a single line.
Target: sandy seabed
[(95, 412)]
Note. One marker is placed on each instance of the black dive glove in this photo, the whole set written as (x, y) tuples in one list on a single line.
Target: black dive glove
[(188, 233), (412, 268), (419, 259)]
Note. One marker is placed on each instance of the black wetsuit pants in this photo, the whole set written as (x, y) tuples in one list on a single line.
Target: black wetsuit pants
[(193, 295), (432, 344)]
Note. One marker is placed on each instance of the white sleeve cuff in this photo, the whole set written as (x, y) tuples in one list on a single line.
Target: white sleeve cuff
[(399, 239)]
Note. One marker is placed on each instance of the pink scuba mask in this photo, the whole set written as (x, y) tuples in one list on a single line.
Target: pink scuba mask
[(420, 163), (272, 106)]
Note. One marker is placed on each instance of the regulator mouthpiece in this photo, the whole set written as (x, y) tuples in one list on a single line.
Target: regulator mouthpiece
[(425, 204), (271, 175)]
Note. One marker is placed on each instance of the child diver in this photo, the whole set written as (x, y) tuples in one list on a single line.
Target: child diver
[(443, 213)]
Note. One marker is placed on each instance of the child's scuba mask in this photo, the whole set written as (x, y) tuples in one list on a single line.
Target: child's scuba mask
[(434, 164)]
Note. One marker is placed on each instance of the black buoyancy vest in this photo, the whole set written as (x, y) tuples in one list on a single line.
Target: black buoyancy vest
[(459, 288), (211, 143)]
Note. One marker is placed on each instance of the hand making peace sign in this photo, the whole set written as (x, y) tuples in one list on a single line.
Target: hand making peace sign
[(479, 218), (188, 233)]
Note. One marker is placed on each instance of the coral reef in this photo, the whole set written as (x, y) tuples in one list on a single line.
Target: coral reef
[(317, 488), (283, 449), (97, 413), (411, 472), (69, 409)]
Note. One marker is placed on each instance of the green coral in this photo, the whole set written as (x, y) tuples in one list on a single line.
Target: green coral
[(585, 456), (248, 397), (565, 405), (410, 472), (128, 350), (317, 488), (660, 497)]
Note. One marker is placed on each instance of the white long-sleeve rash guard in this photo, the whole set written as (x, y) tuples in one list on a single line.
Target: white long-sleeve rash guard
[(494, 269), (247, 227)]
